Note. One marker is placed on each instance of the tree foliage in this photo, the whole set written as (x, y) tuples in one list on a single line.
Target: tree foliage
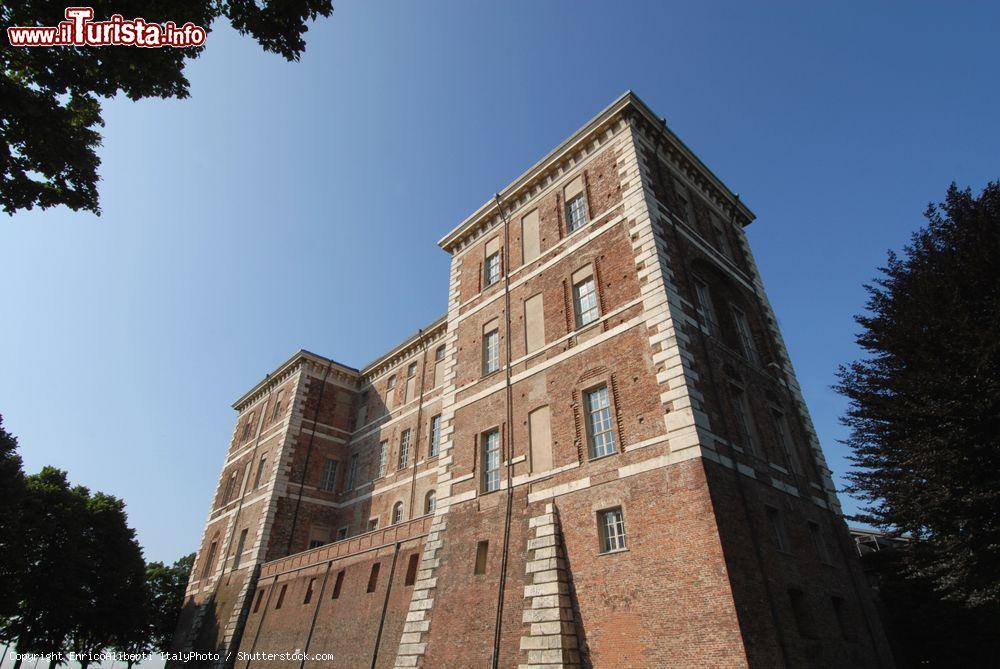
[(52, 516), (924, 402), (11, 549), (50, 107), (166, 598)]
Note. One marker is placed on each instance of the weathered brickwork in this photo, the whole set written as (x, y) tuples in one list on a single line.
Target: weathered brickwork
[(598, 457)]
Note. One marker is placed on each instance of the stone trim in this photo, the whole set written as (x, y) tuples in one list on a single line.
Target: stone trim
[(550, 640)]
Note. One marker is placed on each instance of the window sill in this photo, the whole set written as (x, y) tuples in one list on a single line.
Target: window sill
[(602, 457), (617, 551)]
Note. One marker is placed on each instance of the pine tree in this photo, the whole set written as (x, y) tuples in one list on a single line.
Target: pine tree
[(924, 409)]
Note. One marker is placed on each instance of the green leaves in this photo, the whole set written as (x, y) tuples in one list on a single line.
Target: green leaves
[(50, 97), (924, 406)]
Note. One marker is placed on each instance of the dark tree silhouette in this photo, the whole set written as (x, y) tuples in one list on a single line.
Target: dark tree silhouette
[(50, 96), (924, 407), (166, 598), (114, 587), (11, 549), (51, 598)]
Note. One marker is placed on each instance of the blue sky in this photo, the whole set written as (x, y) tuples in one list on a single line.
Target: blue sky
[(297, 205)]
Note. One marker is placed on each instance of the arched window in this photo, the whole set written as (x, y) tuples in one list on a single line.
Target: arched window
[(397, 512), (430, 502)]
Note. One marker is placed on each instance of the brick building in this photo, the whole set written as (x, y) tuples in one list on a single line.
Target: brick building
[(599, 456)]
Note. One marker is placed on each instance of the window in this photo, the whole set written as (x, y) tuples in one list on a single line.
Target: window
[(585, 300), (411, 382), (309, 591), (210, 560), (256, 603), (389, 394), (397, 513), (372, 524), (819, 543), (261, 468), (352, 472), (277, 404), (843, 621), (247, 426), (576, 213), (491, 352), (373, 578), (784, 437), (316, 543), (430, 502), (482, 552), (491, 272), (240, 545), (719, 234), (612, 527), (341, 534), (411, 570), (435, 440), (601, 436), (491, 460), (777, 524), (362, 415), (383, 458), (803, 617), (338, 584), (281, 595), (746, 338), (741, 409), (329, 480), (439, 366), (230, 488), (686, 206), (404, 449), (704, 306)]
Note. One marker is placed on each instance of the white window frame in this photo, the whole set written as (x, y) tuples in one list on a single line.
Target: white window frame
[(404, 450), (430, 502), (383, 458), (434, 445), (611, 525), (600, 422), (490, 459), (328, 482), (576, 213), (397, 513), (491, 351), (585, 302), (491, 269)]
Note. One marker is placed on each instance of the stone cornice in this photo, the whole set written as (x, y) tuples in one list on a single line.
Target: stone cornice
[(316, 364), (406, 349), (627, 109)]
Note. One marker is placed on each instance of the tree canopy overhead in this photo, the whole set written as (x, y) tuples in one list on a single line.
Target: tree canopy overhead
[(50, 108), (924, 409)]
